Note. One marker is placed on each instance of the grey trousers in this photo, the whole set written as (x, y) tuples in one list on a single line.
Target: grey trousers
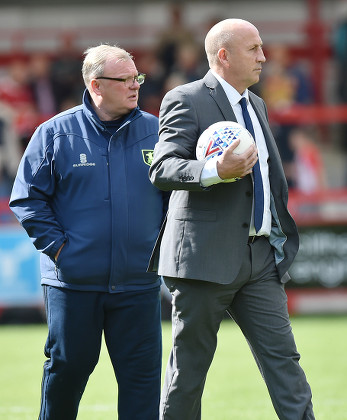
[(256, 300)]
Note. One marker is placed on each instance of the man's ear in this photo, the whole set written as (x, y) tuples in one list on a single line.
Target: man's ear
[(95, 87), (224, 57)]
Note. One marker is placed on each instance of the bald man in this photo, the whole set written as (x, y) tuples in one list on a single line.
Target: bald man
[(226, 246)]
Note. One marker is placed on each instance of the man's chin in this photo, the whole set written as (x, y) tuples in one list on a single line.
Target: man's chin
[(132, 105)]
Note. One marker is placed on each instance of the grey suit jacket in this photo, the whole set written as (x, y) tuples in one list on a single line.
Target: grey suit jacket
[(206, 230)]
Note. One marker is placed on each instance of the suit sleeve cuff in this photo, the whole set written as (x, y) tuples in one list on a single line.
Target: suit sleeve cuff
[(209, 174)]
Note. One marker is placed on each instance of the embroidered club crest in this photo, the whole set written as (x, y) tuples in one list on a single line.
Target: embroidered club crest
[(147, 156)]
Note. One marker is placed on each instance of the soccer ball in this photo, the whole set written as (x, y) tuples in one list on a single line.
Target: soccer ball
[(218, 136)]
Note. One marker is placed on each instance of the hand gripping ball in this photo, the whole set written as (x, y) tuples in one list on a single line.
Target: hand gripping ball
[(217, 137)]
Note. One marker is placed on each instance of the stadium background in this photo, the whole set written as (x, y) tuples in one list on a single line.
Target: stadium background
[(32, 32)]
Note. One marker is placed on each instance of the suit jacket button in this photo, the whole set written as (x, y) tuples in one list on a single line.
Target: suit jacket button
[(245, 225), (248, 193)]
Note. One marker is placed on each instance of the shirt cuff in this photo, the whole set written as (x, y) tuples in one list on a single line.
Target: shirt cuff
[(209, 174)]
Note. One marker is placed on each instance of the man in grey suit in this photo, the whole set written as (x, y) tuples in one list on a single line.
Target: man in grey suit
[(212, 251)]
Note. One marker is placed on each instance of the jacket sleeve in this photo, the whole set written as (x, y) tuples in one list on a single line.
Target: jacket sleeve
[(174, 165), (33, 193)]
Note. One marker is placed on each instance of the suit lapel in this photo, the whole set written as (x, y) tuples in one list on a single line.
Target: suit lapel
[(274, 156), (260, 112), (218, 95)]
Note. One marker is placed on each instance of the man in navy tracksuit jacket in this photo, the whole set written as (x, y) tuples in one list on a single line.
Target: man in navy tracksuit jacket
[(83, 195)]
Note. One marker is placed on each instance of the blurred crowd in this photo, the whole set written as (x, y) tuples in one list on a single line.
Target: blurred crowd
[(34, 88)]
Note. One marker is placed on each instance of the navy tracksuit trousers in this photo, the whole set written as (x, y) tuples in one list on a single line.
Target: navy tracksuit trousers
[(131, 325)]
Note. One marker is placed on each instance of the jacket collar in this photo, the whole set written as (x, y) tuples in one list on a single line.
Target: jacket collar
[(219, 96), (93, 116)]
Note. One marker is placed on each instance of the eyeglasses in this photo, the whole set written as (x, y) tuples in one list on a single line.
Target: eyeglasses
[(129, 81)]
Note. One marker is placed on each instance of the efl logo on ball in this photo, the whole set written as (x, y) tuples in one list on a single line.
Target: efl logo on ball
[(217, 137)]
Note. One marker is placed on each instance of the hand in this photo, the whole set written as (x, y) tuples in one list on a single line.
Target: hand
[(58, 252), (230, 165)]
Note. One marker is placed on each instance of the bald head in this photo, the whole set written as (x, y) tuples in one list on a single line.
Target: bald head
[(235, 52), (223, 35)]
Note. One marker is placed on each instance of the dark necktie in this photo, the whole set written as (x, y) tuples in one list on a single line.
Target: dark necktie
[(258, 182)]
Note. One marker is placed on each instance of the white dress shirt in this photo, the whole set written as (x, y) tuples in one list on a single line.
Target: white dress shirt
[(209, 174)]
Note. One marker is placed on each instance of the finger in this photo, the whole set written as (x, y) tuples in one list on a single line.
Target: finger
[(233, 145), (252, 150)]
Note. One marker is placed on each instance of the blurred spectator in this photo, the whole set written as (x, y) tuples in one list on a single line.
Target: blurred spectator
[(42, 85), (10, 150), (66, 73), (170, 39), (174, 79), (187, 67), (180, 57), (14, 88), (150, 95), (16, 94), (282, 85), (308, 173), (339, 45), (188, 62)]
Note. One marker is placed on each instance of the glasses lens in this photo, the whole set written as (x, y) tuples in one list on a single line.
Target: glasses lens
[(140, 78)]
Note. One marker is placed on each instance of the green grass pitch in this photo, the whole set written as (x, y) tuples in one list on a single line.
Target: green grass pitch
[(234, 387)]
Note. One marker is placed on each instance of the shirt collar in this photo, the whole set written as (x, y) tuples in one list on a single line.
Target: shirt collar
[(232, 94)]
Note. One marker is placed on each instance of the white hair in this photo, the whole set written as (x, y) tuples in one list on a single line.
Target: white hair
[(96, 58)]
